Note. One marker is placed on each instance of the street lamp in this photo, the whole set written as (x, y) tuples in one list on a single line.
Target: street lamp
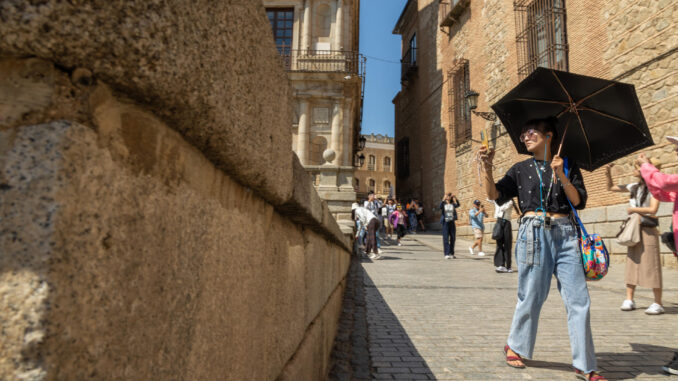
[(361, 143), (472, 102), (359, 160)]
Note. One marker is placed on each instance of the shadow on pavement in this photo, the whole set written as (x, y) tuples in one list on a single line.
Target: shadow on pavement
[(393, 353), (643, 360)]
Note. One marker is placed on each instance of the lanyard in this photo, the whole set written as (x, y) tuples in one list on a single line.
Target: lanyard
[(543, 208)]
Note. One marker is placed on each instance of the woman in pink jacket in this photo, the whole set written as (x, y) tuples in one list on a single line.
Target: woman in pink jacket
[(663, 187)]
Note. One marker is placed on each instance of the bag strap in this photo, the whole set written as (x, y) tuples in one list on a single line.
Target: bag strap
[(576, 215)]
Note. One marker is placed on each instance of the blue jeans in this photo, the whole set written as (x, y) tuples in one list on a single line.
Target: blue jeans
[(449, 236), (412, 216), (540, 254)]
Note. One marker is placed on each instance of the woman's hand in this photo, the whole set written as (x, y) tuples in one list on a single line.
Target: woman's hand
[(642, 159), (608, 169), (486, 156), (557, 165)]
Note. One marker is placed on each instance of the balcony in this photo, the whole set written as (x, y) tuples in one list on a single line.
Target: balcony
[(408, 64), (450, 11), (323, 61)]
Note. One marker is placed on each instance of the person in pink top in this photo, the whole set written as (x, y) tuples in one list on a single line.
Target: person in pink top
[(664, 187)]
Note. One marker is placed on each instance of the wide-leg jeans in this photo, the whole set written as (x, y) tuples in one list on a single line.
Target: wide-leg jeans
[(449, 237), (541, 253)]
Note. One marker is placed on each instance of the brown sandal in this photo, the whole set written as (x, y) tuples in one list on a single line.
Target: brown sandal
[(593, 376), (512, 358)]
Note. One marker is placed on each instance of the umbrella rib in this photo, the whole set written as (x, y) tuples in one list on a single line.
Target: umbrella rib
[(594, 94), (586, 138), (610, 116), (543, 101), (563, 87)]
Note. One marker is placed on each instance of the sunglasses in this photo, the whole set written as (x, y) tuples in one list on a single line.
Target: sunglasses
[(530, 134)]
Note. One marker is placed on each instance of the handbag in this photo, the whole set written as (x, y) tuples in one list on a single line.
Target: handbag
[(669, 240), (498, 230), (595, 257), (629, 233), (649, 221)]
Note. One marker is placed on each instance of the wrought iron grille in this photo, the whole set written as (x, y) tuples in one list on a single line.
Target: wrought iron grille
[(408, 63), (458, 113), (541, 35), (323, 61)]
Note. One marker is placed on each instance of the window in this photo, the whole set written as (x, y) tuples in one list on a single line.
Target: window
[(541, 37), (387, 187), (403, 157), (372, 185), (371, 164), (387, 164), (282, 23), (357, 185), (413, 49), (458, 113)]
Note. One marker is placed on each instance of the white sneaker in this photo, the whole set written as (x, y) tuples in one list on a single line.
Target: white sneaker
[(501, 269), (654, 309), (448, 257), (481, 254), (509, 270), (377, 257), (471, 250), (628, 305), (400, 244), (372, 255)]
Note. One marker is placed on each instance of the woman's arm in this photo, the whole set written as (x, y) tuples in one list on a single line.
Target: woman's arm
[(650, 210), (655, 179), (570, 191), (610, 185)]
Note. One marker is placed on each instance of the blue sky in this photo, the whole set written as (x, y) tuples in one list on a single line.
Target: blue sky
[(378, 44)]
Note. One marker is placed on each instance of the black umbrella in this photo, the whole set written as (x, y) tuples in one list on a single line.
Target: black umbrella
[(599, 120)]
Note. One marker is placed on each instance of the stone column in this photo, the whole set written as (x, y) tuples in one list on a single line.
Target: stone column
[(306, 27), (335, 137), (339, 27), (304, 131)]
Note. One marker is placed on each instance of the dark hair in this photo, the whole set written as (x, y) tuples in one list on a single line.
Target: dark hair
[(370, 192), (545, 125)]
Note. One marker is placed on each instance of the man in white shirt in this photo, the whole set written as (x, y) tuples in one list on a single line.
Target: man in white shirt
[(371, 221), (502, 256)]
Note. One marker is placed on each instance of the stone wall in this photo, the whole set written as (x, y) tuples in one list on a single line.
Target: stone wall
[(154, 222)]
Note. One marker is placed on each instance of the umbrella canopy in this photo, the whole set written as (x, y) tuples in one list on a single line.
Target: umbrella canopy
[(603, 119)]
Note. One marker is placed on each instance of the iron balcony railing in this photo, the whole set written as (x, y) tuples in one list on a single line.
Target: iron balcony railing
[(450, 11), (323, 61), (408, 63)]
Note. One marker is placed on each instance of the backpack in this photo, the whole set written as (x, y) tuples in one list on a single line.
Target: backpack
[(594, 254)]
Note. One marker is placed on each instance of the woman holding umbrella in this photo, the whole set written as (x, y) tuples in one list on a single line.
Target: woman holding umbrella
[(547, 244)]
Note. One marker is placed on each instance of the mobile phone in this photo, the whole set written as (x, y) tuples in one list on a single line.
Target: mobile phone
[(483, 140)]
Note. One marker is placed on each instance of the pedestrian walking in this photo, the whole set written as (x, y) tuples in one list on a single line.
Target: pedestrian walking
[(643, 261), (448, 220), (374, 205), (371, 221), (477, 215), (412, 216), (547, 245), (389, 208), (399, 221), (502, 254), (420, 215)]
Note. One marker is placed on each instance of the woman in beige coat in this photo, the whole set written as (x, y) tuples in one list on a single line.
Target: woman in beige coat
[(643, 263)]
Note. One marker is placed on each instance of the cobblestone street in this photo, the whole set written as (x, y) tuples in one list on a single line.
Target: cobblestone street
[(434, 319)]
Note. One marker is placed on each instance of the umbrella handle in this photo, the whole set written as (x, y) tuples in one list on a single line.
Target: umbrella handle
[(560, 148)]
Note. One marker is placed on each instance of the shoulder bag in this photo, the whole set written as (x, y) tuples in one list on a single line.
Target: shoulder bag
[(629, 233), (594, 254)]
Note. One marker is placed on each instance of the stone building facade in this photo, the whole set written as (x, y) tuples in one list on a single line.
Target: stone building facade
[(419, 137), (318, 41), (153, 217), (377, 172), (486, 46)]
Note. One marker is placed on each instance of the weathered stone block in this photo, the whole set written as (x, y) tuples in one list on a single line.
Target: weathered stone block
[(593, 215), (181, 60), (617, 212)]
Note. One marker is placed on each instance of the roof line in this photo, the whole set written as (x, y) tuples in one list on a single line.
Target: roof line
[(402, 14)]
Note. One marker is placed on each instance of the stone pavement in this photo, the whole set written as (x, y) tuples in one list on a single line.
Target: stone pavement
[(434, 319)]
